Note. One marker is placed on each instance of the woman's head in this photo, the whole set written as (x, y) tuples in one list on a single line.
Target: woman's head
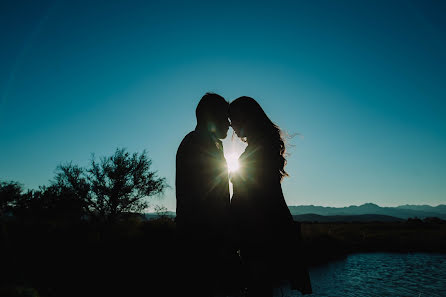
[(249, 121)]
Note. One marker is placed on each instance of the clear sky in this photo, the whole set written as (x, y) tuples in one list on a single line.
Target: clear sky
[(363, 82)]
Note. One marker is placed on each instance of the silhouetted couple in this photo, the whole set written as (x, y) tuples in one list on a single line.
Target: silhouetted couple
[(246, 245)]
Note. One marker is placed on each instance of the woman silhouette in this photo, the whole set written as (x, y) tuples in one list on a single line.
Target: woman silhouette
[(263, 227)]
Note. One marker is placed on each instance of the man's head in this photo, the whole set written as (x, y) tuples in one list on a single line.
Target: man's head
[(212, 114)]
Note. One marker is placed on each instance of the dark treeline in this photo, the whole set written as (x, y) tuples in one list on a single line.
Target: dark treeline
[(110, 188)]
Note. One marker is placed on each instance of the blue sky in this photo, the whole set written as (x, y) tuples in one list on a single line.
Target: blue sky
[(361, 81)]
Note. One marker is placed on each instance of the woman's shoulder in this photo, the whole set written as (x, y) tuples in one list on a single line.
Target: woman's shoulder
[(260, 154)]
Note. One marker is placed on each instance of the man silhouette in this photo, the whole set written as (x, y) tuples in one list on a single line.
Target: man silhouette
[(203, 201)]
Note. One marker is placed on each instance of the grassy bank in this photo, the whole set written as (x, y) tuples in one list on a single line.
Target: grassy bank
[(326, 241)]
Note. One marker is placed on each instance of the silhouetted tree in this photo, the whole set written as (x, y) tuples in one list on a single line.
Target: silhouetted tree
[(10, 195), (113, 185), (72, 189), (121, 183), (54, 203)]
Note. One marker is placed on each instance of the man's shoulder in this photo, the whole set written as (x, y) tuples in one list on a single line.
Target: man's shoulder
[(189, 143), (188, 140)]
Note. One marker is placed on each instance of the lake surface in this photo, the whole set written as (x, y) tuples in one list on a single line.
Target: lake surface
[(379, 274)]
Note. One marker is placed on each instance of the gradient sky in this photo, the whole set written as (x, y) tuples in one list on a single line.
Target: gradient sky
[(363, 82)]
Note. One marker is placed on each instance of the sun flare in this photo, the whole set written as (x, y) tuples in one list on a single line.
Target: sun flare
[(232, 161)]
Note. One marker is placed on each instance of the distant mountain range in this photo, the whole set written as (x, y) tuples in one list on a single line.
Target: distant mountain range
[(402, 212), (363, 213), (311, 217)]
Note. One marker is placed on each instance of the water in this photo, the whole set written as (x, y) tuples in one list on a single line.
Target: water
[(379, 274)]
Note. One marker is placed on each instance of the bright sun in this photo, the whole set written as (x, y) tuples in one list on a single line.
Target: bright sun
[(232, 161)]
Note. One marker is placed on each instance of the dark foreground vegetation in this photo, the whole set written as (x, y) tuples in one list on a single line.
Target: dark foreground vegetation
[(133, 256), (87, 259)]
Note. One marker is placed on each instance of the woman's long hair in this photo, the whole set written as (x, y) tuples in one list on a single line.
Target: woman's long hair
[(261, 128)]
